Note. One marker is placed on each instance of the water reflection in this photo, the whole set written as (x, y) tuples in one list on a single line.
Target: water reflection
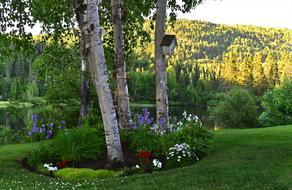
[(19, 118)]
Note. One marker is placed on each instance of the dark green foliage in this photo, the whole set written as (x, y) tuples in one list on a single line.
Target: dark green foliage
[(74, 145), (144, 139), (236, 110), (9, 136), (79, 143), (130, 171), (56, 68), (142, 86), (277, 105), (197, 137), (45, 152)]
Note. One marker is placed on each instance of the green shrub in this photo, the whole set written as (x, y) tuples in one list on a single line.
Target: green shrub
[(236, 110), (8, 135), (79, 143), (277, 105), (191, 132), (143, 138), (130, 171), (180, 155), (83, 173), (194, 136), (45, 152)]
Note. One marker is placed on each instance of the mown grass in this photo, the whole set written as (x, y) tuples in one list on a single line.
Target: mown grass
[(241, 159), (7, 104)]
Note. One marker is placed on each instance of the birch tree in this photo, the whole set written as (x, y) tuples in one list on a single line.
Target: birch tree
[(122, 93), (84, 91), (92, 50), (162, 111), (162, 114)]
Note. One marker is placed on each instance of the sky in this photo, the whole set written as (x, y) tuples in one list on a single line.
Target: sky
[(270, 13)]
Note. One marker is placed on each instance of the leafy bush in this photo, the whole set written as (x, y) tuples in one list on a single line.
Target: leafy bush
[(195, 136), (9, 136), (73, 145), (79, 143), (236, 110), (189, 131), (181, 155), (152, 144), (277, 105), (83, 173), (143, 138), (45, 152)]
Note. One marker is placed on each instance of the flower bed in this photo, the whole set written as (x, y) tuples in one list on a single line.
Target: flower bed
[(146, 147)]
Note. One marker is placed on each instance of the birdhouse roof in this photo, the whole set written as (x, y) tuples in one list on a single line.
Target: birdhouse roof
[(167, 40)]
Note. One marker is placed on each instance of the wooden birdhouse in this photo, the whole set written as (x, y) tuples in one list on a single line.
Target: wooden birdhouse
[(168, 44)]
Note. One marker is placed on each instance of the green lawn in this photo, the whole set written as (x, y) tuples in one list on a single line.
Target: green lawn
[(242, 159), (6, 104)]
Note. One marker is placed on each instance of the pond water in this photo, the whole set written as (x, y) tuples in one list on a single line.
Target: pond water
[(19, 118)]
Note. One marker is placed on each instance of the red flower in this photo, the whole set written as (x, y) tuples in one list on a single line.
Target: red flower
[(62, 163), (144, 154)]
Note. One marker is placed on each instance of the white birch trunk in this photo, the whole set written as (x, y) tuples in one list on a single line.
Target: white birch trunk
[(122, 94), (92, 49), (162, 114), (84, 91)]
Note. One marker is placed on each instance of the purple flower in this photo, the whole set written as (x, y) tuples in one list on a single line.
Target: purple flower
[(43, 130), (63, 122), (51, 125), (35, 128), (34, 118), (140, 119), (59, 126), (149, 121), (145, 118), (160, 122), (49, 134), (132, 125)]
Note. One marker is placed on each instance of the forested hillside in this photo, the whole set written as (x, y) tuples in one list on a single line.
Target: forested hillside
[(214, 57), (210, 58)]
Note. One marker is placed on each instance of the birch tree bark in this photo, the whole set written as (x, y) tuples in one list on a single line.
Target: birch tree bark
[(122, 93), (84, 91), (160, 66), (87, 15)]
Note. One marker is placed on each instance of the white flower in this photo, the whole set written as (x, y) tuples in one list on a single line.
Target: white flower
[(137, 166), (159, 165), (178, 160), (185, 114), (46, 165), (52, 168)]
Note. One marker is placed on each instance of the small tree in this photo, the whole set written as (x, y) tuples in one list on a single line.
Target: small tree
[(236, 110), (277, 105)]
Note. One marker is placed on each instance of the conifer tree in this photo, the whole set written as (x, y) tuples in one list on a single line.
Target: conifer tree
[(284, 60), (230, 68), (271, 68), (259, 78), (245, 77)]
